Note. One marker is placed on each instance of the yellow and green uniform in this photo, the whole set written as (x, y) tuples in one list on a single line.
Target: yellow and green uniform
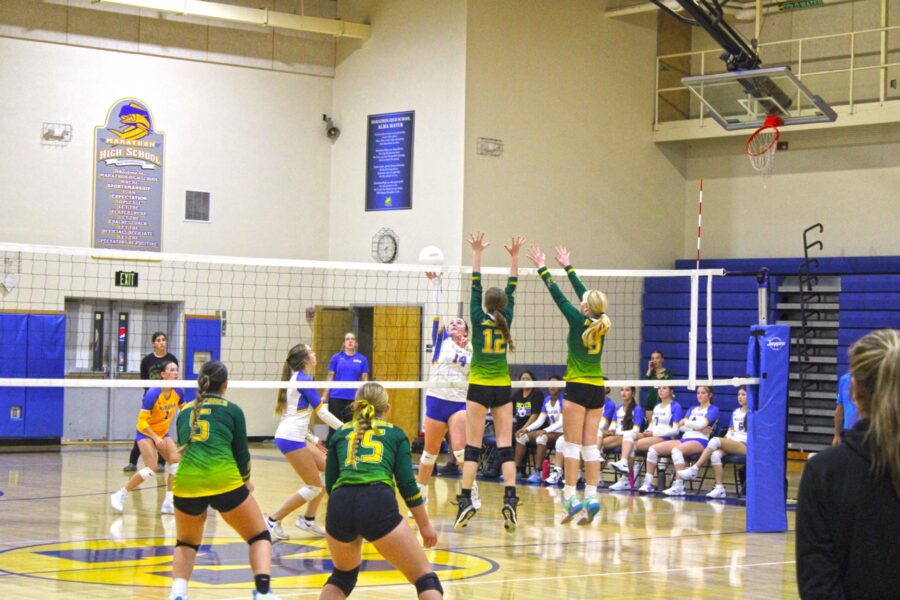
[(383, 457), (489, 365), (217, 460), (582, 362), (158, 409)]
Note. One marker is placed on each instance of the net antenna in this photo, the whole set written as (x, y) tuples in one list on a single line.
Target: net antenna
[(762, 145)]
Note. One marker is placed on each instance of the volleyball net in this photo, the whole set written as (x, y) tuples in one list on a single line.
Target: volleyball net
[(83, 318)]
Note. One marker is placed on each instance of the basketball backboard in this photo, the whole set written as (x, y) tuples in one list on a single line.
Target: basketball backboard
[(743, 99)]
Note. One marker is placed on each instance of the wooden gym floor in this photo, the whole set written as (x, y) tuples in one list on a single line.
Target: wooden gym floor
[(60, 539)]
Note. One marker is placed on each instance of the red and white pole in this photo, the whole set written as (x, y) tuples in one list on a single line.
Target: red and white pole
[(699, 222)]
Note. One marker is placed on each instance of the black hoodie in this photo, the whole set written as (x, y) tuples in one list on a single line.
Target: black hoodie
[(848, 525)]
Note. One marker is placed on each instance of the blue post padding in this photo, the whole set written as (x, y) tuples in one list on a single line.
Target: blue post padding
[(768, 358), (46, 359)]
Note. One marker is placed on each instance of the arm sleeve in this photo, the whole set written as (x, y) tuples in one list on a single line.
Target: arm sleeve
[(327, 417), (576, 282), (818, 570), (312, 396), (511, 284), (239, 442), (436, 330), (561, 301), (150, 398), (145, 369), (365, 365), (556, 426), (332, 469), (475, 301), (638, 417), (332, 364), (143, 422), (536, 424), (403, 473)]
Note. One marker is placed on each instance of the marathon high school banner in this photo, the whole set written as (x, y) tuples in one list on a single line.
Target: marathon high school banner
[(128, 179)]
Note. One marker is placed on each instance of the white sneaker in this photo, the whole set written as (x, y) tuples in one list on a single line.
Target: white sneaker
[(276, 530), (175, 596), (717, 492), (621, 485), (309, 527), (476, 496), (677, 489), (689, 474), (168, 505), (648, 486), (269, 596), (620, 465), (554, 476), (117, 500), (115, 530)]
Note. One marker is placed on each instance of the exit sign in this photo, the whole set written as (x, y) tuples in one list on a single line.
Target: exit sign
[(126, 279)]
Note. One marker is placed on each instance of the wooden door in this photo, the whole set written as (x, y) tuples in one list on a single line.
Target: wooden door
[(329, 326), (397, 356)]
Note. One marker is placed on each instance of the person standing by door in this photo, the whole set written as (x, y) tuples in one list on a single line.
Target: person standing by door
[(346, 365)]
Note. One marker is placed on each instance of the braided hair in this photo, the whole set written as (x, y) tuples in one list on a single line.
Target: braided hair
[(371, 402), (212, 379), (495, 302), (295, 361)]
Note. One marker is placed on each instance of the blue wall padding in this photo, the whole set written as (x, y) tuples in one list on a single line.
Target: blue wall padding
[(768, 357), (46, 359), (13, 363)]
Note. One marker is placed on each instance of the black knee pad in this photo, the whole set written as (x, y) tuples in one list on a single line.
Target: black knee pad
[(429, 582), (473, 454), (506, 454), (263, 535), (345, 580), (195, 547)]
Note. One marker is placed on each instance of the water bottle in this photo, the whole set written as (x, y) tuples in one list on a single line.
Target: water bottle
[(545, 469)]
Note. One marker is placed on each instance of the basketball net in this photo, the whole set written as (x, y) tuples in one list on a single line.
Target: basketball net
[(761, 146)]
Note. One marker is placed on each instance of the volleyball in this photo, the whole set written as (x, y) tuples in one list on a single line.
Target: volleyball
[(431, 255)]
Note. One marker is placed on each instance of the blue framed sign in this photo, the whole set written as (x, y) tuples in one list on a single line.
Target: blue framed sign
[(128, 179), (389, 152)]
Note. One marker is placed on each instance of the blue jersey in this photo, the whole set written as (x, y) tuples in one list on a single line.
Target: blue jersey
[(698, 419), (637, 419), (347, 368), (845, 399), (609, 415), (665, 419)]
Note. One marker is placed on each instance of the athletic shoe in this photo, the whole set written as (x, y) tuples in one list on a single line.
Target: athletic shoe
[(510, 520), (448, 469), (580, 478), (115, 530), (118, 500), (130, 468), (168, 505), (689, 474), (677, 489), (276, 530), (621, 485), (177, 597), (572, 506), (620, 466), (310, 527), (476, 496), (465, 511), (591, 508), (648, 487), (269, 596), (554, 476), (717, 492), (534, 478)]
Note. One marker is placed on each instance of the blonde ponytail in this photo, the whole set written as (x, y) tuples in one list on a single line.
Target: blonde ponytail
[(371, 402), (596, 303)]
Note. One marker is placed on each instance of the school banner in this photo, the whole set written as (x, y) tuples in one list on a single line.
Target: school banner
[(128, 179), (389, 152)]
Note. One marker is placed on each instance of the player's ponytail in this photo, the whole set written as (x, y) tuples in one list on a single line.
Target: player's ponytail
[(875, 365), (596, 304), (371, 402), (212, 379), (495, 302), (295, 361), (628, 419)]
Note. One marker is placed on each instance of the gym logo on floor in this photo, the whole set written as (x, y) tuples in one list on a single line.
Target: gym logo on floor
[(221, 564)]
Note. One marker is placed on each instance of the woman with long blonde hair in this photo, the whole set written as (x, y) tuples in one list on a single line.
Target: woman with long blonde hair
[(848, 509), (368, 458), (585, 388)]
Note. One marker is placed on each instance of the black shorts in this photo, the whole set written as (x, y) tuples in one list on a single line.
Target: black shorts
[(489, 396), (369, 511), (585, 394), (221, 502)]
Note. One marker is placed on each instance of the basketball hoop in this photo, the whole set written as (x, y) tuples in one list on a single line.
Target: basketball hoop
[(761, 146)]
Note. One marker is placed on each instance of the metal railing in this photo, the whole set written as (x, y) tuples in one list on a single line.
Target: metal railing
[(799, 64)]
